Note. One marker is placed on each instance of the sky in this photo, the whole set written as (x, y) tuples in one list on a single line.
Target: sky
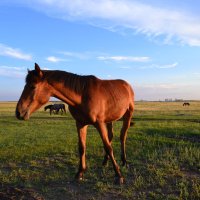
[(152, 44)]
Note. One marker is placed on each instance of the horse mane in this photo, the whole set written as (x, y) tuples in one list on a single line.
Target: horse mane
[(75, 82)]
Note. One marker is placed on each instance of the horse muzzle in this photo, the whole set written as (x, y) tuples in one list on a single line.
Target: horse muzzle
[(22, 115)]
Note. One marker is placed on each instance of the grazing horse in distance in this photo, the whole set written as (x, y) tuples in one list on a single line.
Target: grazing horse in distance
[(186, 104), (91, 101), (48, 107), (56, 107)]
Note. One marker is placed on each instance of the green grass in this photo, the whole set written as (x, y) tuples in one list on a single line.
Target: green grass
[(163, 151)]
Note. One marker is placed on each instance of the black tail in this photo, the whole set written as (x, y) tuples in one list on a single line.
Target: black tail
[(132, 124)]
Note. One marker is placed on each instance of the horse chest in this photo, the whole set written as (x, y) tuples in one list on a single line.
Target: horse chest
[(80, 116)]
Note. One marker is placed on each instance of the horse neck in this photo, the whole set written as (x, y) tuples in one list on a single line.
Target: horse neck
[(64, 88)]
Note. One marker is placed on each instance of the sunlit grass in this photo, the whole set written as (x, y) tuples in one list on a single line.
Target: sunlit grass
[(163, 151)]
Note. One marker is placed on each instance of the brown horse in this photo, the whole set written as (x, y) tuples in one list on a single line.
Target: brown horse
[(91, 101)]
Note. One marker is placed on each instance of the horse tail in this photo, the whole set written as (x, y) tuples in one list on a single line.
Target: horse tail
[(131, 107), (132, 123), (64, 108)]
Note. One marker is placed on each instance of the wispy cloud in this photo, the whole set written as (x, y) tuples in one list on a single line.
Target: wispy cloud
[(125, 67), (81, 56), (124, 58), (13, 72), (173, 65), (167, 66), (160, 86), (54, 59), (13, 52), (152, 21)]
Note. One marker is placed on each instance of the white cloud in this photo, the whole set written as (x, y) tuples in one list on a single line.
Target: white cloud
[(90, 55), (54, 59), (167, 66), (14, 53), (125, 67), (173, 65), (13, 72), (124, 58), (161, 86), (81, 56), (144, 18)]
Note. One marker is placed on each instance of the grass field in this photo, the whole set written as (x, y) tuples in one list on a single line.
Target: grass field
[(39, 157)]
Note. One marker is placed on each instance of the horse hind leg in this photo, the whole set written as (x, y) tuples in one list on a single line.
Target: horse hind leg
[(101, 127), (123, 134), (110, 137)]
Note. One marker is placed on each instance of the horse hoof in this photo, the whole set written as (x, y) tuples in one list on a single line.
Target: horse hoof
[(125, 164), (119, 180), (105, 163), (79, 177)]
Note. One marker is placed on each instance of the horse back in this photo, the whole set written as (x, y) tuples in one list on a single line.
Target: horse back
[(117, 90), (108, 99)]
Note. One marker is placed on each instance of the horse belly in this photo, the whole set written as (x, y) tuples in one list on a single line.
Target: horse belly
[(113, 113)]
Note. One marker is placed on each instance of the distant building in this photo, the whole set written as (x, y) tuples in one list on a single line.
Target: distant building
[(179, 100), (168, 100)]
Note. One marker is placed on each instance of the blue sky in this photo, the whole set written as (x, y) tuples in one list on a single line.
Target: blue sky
[(153, 44)]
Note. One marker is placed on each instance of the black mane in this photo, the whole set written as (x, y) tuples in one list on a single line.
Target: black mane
[(75, 82)]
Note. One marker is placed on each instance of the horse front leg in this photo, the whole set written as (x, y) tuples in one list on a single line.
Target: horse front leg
[(101, 127), (82, 132)]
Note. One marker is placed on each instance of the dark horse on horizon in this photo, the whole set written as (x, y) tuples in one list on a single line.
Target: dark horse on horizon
[(186, 104), (55, 107), (91, 101)]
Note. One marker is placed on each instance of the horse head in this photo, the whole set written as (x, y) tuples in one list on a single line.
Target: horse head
[(34, 95)]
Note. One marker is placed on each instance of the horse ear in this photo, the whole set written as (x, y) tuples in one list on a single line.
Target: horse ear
[(38, 70), (28, 70)]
